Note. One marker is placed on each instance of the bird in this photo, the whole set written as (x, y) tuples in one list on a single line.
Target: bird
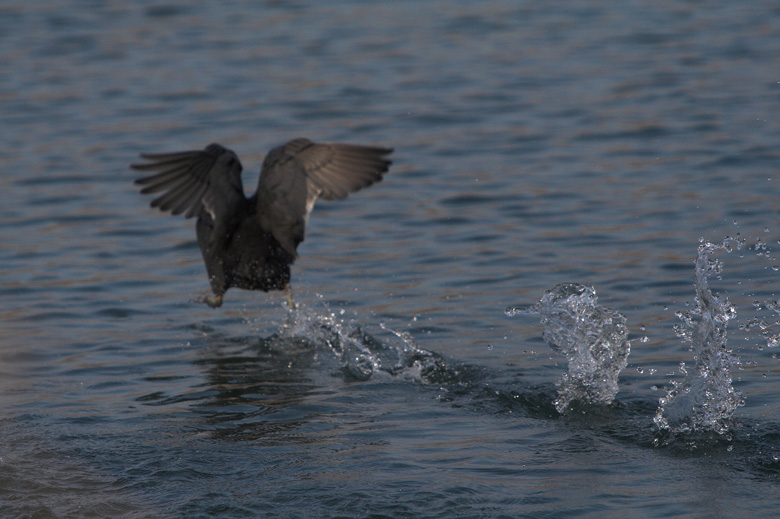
[(250, 242)]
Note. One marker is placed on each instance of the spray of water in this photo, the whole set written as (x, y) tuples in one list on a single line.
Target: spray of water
[(705, 401), (361, 355), (592, 337)]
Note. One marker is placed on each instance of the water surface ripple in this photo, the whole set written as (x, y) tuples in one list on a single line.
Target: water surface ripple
[(536, 144)]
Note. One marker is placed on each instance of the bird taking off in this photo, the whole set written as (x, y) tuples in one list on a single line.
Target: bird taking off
[(251, 242)]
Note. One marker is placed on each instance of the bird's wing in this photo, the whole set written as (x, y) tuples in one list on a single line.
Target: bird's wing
[(296, 174), (194, 181)]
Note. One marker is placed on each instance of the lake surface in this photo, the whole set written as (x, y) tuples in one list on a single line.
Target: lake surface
[(536, 143)]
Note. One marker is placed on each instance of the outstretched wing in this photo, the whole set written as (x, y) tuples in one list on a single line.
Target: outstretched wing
[(194, 181), (296, 174)]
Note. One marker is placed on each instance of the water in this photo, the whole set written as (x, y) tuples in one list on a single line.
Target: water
[(706, 400), (536, 144), (592, 337)]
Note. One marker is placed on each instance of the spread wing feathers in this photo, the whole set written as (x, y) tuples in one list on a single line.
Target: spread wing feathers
[(296, 174), (192, 181)]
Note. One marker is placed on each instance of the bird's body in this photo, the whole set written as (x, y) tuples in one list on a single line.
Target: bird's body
[(245, 257), (250, 243)]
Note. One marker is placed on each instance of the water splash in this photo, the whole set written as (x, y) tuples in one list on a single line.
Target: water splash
[(592, 337), (361, 355), (706, 400), (768, 329)]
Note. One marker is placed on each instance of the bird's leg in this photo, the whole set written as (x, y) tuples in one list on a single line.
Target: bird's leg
[(288, 293), (214, 301)]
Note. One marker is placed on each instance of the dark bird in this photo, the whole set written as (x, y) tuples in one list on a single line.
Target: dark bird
[(251, 242)]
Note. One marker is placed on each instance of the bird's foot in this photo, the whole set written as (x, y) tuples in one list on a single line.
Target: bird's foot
[(288, 293), (214, 301)]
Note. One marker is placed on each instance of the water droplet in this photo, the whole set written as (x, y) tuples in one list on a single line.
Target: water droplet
[(511, 311)]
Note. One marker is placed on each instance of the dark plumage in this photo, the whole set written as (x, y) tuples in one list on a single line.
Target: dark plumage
[(251, 242)]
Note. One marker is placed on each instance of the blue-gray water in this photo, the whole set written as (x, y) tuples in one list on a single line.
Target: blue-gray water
[(536, 143)]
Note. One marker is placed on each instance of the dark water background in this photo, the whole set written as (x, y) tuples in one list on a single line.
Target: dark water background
[(536, 143)]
